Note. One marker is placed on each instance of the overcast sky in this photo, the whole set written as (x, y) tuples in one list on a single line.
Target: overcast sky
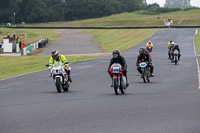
[(162, 2)]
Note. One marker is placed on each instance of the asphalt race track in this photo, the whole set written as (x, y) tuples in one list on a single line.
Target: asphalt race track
[(170, 103)]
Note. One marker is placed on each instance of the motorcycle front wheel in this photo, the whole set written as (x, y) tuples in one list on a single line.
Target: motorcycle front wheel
[(115, 80), (144, 74), (176, 60), (148, 74), (58, 85)]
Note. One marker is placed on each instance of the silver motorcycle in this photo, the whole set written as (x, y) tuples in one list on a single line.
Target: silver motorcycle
[(60, 76)]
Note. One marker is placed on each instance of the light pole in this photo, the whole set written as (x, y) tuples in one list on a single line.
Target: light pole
[(14, 18)]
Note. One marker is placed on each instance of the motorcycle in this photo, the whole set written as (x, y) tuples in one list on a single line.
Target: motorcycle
[(146, 74), (60, 76), (119, 79), (174, 57), (149, 48)]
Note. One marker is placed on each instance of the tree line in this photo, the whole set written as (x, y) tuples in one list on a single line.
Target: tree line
[(38, 11), (34, 11)]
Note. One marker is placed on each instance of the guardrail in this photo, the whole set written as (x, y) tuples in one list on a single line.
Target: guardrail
[(147, 27)]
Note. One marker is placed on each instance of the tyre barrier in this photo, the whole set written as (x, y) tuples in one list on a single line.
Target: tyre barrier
[(40, 44)]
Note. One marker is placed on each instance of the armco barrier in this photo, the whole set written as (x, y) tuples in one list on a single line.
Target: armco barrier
[(146, 27)]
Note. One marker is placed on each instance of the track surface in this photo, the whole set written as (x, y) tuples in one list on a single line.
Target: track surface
[(169, 104), (73, 42)]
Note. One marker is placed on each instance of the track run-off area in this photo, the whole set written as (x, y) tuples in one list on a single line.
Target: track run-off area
[(170, 103)]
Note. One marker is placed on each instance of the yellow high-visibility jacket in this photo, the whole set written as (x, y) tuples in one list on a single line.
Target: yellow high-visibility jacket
[(169, 43), (62, 59), (149, 44)]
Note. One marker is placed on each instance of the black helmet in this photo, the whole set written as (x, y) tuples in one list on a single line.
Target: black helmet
[(171, 41), (116, 51), (141, 50), (54, 54), (176, 46)]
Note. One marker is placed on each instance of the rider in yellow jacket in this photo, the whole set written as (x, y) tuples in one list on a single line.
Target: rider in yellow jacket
[(169, 43), (58, 57), (149, 43)]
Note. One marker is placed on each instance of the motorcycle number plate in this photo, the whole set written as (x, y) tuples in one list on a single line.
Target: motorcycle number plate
[(143, 65), (115, 69)]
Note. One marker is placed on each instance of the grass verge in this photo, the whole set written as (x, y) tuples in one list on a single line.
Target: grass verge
[(133, 19), (197, 43), (121, 39), (30, 35), (16, 65)]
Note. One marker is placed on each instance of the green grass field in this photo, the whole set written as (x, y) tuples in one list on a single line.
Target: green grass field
[(16, 65), (197, 42), (30, 35), (121, 39), (180, 18)]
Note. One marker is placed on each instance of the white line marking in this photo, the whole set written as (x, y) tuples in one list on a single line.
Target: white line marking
[(196, 32)]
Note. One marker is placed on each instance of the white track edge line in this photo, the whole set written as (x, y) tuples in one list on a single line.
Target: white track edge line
[(198, 69)]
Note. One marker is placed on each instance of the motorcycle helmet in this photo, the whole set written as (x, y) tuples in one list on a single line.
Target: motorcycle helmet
[(141, 50), (54, 54), (172, 44), (149, 41), (116, 53), (177, 46)]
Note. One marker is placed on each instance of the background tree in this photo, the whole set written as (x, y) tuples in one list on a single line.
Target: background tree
[(38, 11)]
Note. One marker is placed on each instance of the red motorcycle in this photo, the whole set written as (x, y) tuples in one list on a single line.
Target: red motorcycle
[(118, 78), (149, 48)]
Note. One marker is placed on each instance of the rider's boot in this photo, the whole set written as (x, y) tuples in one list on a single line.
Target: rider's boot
[(112, 83), (69, 78)]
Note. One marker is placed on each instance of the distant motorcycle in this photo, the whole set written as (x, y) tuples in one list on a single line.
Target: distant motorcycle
[(174, 57), (119, 79), (60, 76), (149, 48), (146, 74)]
